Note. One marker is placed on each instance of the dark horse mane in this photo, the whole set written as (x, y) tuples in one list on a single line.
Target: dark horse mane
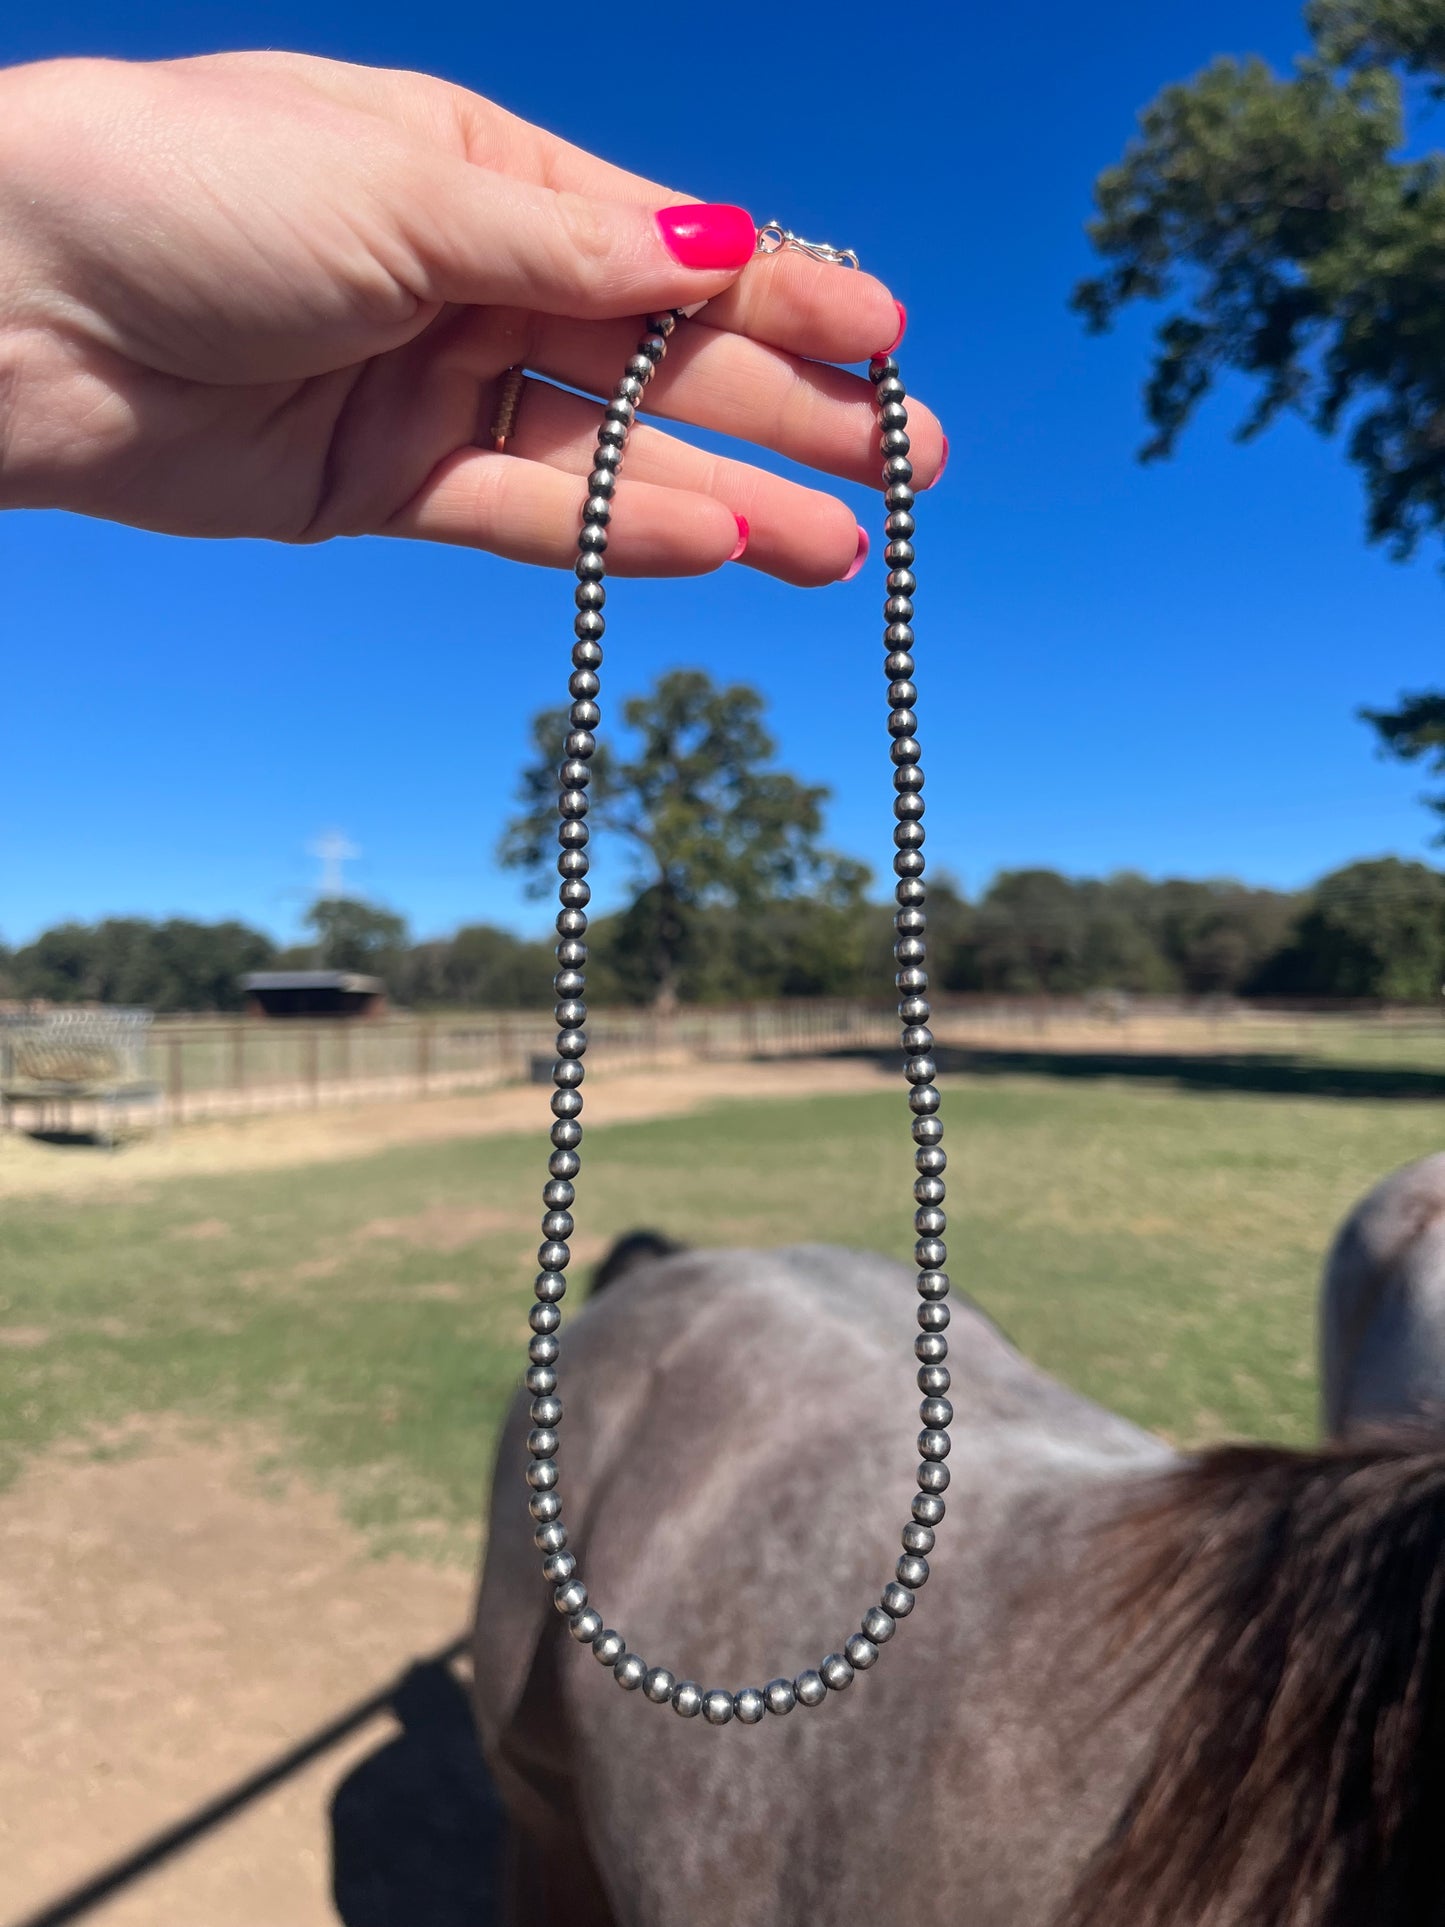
[(1288, 1608)]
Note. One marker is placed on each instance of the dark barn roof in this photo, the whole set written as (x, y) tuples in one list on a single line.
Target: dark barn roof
[(348, 980)]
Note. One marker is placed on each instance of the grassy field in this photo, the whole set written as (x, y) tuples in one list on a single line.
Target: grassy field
[(1155, 1238)]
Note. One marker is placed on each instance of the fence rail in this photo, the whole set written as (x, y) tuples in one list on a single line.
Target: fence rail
[(211, 1067)]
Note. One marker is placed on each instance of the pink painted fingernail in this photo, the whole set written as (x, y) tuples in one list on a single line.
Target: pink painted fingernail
[(941, 466), (859, 559), (902, 331), (743, 532), (710, 235)]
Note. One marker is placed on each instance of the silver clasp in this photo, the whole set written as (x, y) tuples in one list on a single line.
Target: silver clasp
[(774, 237)]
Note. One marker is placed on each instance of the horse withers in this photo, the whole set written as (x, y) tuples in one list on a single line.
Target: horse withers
[(1137, 1690)]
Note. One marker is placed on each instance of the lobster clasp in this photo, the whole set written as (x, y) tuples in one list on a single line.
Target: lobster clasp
[(773, 237)]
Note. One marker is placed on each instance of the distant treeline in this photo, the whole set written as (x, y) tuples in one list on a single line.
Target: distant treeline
[(1373, 930)]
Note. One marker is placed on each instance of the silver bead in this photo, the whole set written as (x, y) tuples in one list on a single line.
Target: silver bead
[(897, 1600), (557, 1225), (912, 1571), (861, 1652), (933, 1444), (898, 663), (541, 1379), (914, 1010), (567, 1132), (558, 1194), (781, 1696), (572, 835), (565, 1104), (933, 1284), (934, 1317), (588, 654), (810, 1689), (542, 1474), (749, 1705), (927, 1190), (550, 1286), (936, 1413), (933, 1476), (879, 1626), (569, 983), (928, 1510), (544, 1507), (547, 1409), (658, 1685), (630, 1672), (929, 1254), (570, 1597), (930, 1347), (927, 1130), (717, 1707), (837, 1672), (932, 1158), (572, 1043), (569, 1014), (687, 1699), (934, 1379), (603, 479), (558, 1568), (898, 527), (918, 1538), (608, 1647), (920, 1070), (575, 894), (585, 1626), (553, 1255), (550, 1538)]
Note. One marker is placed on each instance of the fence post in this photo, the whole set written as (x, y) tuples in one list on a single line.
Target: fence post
[(175, 1077)]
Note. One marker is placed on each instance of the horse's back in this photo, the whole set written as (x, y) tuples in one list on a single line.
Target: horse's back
[(739, 1448)]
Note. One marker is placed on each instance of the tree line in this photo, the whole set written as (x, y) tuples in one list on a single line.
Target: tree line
[(1371, 930)]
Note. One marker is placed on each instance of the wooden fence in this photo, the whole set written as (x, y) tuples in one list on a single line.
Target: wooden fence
[(225, 1067)]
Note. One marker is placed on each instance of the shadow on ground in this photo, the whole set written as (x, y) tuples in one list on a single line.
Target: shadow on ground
[(1269, 1075), (416, 1828)]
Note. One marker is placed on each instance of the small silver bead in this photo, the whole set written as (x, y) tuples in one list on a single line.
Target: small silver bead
[(566, 1105), (547, 1411), (897, 1600), (837, 1672), (936, 1413), (927, 1190), (923, 1101), (608, 1647), (658, 1684), (913, 1010), (934, 1317), (542, 1475), (879, 1626), (541, 1379), (544, 1507), (587, 654), (717, 1707), (810, 1689), (920, 1070), (570, 1597), (934, 1379), (933, 1284), (558, 1568), (861, 1652), (912, 1571), (569, 983), (933, 1476), (572, 836), (781, 1696), (603, 479), (553, 1255), (929, 1254), (564, 1164), (550, 1538), (630, 1672), (566, 1133), (918, 1538), (934, 1444), (749, 1705), (928, 1510), (932, 1157), (687, 1699), (930, 1347), (585, 1626), (557, 1225)]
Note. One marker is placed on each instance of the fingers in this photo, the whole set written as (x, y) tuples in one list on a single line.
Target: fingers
[(798, 534), (479, 237), (529, 512), (822, 417)]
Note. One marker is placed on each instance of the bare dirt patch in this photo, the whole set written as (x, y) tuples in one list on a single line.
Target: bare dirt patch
[(23, 1338), (31, 1168), (204, 1230), (442, 1227), (170, 1624)]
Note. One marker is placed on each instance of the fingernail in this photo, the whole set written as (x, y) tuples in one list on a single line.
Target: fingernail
[(742, 522), (709, 235), (941, 466), (859, 559), (902, 331)]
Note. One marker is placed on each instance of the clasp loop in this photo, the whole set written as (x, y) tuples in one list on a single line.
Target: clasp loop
[(773, 237)]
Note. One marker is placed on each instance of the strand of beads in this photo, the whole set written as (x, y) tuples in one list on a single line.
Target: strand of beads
[(749, 1704)]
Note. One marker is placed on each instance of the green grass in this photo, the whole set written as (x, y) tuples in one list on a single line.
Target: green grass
[(1157, 1246)]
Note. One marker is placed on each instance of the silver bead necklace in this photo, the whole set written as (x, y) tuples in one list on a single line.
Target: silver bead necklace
[(748, 1704)]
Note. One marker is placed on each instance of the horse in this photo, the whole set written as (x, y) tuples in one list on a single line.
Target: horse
[(1138, 1689), (1382, 1306)]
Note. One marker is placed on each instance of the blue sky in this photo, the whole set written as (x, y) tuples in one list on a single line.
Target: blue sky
[(1121, 667)]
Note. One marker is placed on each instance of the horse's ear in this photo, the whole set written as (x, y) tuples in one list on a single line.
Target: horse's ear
[(633, 1248), (1286, 1611)]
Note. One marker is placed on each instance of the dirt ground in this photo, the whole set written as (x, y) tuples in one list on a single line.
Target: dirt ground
[(29, 1167), (170, 1626)]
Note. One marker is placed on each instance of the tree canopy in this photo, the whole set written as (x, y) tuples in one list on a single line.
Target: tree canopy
[(1296, 245)]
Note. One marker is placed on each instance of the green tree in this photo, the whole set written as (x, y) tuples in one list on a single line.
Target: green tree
[(354, 935), (1415, 733), (1373, 929), (706, 821)]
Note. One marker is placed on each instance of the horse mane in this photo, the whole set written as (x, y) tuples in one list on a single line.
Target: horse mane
[(1286, 1610)]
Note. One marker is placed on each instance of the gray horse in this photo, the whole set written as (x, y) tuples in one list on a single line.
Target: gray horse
[(1382, 1310), (1137, 1690)]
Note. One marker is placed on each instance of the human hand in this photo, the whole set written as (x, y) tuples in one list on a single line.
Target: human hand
[(268, 295)]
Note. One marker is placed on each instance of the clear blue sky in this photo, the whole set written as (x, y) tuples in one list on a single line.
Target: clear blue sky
[(1153, 668)]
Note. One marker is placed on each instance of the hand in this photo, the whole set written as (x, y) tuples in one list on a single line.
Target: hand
[(266, 295)]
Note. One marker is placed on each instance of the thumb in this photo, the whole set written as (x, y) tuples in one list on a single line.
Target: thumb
[(488, 238)]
